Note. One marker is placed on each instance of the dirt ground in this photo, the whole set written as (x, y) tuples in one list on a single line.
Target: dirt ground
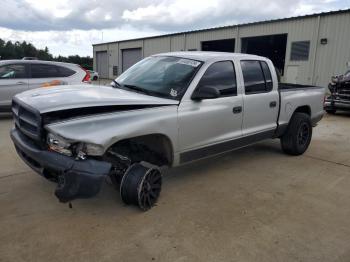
[(254, 204)]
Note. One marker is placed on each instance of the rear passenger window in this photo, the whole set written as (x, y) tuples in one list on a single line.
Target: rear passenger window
[(65, 72), (257, 77), (267, 75), (222, 76), (48, 71)]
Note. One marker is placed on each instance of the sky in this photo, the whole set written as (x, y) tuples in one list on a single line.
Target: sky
[(71, 27)]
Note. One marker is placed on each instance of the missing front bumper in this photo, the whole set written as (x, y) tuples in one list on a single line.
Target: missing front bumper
[(76, 178)]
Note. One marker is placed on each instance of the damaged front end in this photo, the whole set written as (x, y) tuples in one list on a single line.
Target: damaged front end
[(340, 93), (76, 178)]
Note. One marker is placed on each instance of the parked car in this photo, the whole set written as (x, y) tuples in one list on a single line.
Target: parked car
[(167, 110), (29, 58), (339, 99), (94, 75), (21, 75)]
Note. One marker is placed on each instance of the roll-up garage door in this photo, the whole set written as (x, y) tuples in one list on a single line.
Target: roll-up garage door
[(102, 64), (130, 57)]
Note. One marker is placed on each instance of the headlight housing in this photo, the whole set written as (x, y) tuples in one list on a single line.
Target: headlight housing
[(80, 150), (59, 144), (94, 150)]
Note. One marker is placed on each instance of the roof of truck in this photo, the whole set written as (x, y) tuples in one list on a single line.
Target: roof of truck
[(207, 55)]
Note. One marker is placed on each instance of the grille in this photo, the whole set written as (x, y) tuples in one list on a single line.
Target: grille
[(27, 120), (344, 94)]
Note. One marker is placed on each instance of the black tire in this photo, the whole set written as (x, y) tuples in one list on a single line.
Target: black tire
[(141, 186), (331, 111), (94, 78), (297, 138)]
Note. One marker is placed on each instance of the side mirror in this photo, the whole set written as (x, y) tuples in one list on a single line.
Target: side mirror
[(205, 92)]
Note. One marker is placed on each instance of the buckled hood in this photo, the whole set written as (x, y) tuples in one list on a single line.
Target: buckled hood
[(84, 96)]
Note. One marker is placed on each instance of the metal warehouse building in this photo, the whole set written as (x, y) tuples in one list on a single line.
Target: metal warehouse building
[(305, 49)]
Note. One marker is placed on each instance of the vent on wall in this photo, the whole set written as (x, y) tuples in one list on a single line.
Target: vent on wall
[(300, 51), (115, 70)]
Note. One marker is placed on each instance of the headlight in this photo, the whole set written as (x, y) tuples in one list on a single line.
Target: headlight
[(79, 150), (90, 149), (59, 144)]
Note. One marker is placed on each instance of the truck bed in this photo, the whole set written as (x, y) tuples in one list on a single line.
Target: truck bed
[(293, 96)]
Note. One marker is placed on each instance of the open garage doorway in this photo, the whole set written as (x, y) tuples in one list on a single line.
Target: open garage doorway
[(225, 45), (271, 46)]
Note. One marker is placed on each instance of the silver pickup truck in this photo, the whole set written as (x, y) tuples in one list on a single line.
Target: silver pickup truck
[(167, 110)]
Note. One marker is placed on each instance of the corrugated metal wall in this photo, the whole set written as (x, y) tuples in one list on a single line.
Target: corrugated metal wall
[(324, 60), (156, 45), (331, 58)]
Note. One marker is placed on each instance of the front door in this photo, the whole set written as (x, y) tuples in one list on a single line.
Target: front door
[(211, 121), (13, 80)]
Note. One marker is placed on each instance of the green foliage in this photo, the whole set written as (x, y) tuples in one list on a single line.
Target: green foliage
[(18, 50)]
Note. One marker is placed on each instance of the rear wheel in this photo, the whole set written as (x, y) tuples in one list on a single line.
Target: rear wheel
[(94, 78), (298, 135), (141, 186)]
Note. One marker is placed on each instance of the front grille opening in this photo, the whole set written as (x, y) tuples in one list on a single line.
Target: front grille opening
[(27, 120), (28, 127)]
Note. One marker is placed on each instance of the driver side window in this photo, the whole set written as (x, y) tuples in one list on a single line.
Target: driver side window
[(220, 75)]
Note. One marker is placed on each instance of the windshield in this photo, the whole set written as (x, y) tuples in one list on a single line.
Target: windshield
[(162, 76)]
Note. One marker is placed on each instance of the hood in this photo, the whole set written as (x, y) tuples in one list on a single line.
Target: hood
[(84, 96)]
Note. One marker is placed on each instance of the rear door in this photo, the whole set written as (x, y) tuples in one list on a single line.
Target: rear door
[(261, 98), (13, 80), (205, 126), (46, 75)]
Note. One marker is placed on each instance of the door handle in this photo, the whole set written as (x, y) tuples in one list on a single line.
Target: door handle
[(237, 109), (273, 104), (20, 83)]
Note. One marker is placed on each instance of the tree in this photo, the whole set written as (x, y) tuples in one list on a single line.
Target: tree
[(18, 50)]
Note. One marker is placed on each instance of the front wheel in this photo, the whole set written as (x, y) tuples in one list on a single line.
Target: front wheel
[(141, 186), (298, 135)]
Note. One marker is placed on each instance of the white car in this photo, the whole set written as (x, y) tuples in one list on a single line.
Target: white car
[(93, 75), (17, 76)]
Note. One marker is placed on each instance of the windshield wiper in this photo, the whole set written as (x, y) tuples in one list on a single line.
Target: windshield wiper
[(138, 89), (145, 91), (116, 84)]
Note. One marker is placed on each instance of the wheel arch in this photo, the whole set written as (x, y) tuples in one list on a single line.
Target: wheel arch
[(303, 109), (155, 148)]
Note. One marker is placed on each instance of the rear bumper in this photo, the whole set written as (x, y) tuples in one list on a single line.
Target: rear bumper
[(76, 178)]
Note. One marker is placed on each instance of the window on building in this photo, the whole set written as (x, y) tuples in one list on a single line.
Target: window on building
[(222, 76), (12, 71), (257, 77), (300, 51)]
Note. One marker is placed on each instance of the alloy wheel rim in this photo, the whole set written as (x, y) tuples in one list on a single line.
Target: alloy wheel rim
[(150, 188), (303, 134)]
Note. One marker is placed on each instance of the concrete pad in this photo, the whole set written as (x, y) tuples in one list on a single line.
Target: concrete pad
[(254, 204)]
